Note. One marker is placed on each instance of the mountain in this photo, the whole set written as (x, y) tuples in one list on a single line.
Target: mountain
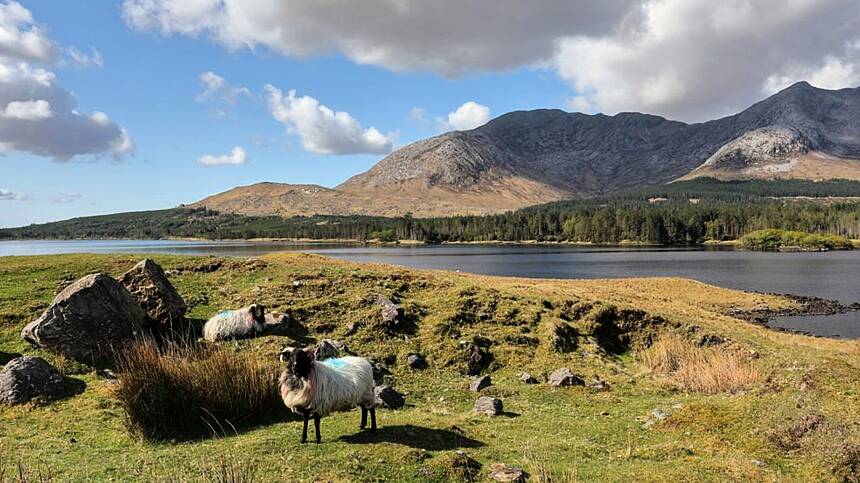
[(529, 157)]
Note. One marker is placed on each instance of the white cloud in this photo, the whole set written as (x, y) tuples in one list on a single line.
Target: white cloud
[(28, 110), (9, 195), (38, 115), (418, 115), (215, 86), (94, 58), (235, 157), (68, 197), (20, 38), (468, 116), (322, 130)]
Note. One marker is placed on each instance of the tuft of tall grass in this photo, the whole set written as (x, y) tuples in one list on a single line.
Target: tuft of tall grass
[(710, 370), (188, 390)]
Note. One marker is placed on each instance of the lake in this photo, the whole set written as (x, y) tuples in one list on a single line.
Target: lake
[(832, 275)]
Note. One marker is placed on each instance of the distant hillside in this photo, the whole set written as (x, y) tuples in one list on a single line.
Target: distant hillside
[(530, 157)]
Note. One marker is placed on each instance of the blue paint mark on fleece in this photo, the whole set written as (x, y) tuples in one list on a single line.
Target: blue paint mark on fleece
[(224, 313), (334, 363)]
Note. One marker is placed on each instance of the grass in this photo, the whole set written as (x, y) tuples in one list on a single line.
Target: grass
[(555, 435), (772, 240)]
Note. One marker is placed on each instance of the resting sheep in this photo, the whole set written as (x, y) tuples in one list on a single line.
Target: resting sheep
[(233, 324), (315, 388)]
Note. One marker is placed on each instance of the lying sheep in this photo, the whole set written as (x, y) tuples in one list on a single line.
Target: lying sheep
[(315, 388), (233, 324)]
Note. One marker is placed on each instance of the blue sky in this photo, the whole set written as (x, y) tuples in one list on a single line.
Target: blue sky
[(376, 60)]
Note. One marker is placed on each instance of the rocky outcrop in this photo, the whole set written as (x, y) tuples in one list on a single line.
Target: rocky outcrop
[(27, 378), (149, 285), (88, 320)]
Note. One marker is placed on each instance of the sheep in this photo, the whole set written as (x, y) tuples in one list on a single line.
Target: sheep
[(231, 324), (315, 388)]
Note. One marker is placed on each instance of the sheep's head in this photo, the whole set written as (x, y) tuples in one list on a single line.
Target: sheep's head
[(258, 312), (300, 362)]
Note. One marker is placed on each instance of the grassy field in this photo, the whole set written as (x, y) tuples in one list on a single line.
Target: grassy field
[(797, 417)]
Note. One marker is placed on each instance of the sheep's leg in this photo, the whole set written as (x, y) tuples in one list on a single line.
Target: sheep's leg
[(363, 417), (317, 427), (305, 428), (373, 419)]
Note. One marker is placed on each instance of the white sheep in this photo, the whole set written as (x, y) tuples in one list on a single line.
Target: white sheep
[(233, 324), (317, 388)]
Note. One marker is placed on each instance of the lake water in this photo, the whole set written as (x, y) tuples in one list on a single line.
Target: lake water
[(832, 275)]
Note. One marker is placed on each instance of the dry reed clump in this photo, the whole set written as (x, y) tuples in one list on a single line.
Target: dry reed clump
[(710, 370), (191, 390)]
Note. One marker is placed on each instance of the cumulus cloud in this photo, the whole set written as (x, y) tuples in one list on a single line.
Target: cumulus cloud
[(235, 157), (68, 197), (215, 86), (687, 59), (468, 116), (94, 58), (9, 195), (323, 130), (38, 116)]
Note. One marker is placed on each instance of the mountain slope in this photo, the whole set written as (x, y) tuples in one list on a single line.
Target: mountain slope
[(529, 157)]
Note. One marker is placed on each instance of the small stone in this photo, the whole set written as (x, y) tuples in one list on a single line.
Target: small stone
[(26, 378), (598, 385), (351, 328), (660, 415), (387, 311), (480, 383), (490, 406), (329, 348), (416, 361), (563, 377), (528, 378), (503, 472), (388, 398)]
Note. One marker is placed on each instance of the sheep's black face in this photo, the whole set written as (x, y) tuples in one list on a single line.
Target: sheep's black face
[(259, 313), (300, 364)]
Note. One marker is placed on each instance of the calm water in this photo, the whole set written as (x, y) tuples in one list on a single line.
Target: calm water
[(832, 275)]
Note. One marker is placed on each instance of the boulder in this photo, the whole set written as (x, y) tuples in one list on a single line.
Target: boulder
[(329, 348), (528, 378), (26, 378), (148, 284), (564, 378), (379, 370), (88, 320), (277, 323), (388, 398), (490, 406), (480, 383), (599, 385), (387, 311), (503, 472), (416, 361), (478, 358)]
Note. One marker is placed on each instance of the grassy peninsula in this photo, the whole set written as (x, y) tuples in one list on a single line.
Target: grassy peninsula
[(694, 394), (784, 240)]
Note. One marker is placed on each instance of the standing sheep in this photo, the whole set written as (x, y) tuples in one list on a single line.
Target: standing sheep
[(317, 388), (233, 324)]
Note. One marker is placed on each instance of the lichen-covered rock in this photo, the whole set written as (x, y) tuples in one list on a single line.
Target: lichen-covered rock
[(480, 383), (387, 311), (490, 406), (503, 472), (148, 284), (564, 378), (26, 378), (388, 398), (328, 348), (88, 320)]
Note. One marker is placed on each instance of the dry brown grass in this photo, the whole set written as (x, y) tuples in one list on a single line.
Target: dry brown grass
[(710, 370)]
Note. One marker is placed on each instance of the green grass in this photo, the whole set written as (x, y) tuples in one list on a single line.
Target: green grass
[(772, 240), (566, 434)]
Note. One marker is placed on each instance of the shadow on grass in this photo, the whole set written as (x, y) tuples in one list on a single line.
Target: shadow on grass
[(415, 437), (5, 357)]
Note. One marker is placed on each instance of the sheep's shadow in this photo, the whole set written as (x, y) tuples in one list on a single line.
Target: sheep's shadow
[(415, 437), (6, 357)]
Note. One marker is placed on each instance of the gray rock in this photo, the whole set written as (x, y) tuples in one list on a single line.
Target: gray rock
[(26, 378), (150, 287), (478, 358), (564, 378), (387, 311), (660, 415), (599, 385), (277, 323), (490, 406), (528, 378), (88, 320), (416, 361), (329, 348), (503, 472), (480, 383), (388, 398)]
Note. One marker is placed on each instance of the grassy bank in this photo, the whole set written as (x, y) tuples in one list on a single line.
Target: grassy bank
[(773, 240), (756, 427)]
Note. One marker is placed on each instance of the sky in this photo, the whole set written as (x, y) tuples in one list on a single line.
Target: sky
[(110, 106)]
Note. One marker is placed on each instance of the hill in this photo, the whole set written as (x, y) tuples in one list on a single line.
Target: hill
[(526, 158)]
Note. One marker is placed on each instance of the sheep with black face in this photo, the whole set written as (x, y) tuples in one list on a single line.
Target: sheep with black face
[(234, 324), (315, 388)]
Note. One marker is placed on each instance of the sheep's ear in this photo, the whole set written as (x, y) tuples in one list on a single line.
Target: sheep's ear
[(286, 353)]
